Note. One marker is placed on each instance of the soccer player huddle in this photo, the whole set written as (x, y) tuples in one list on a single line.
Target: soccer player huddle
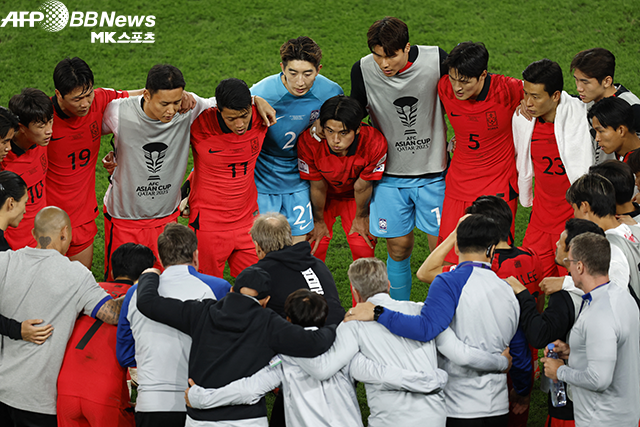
[(274, 166)]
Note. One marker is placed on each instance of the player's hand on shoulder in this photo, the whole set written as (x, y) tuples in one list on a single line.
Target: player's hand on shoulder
[(188, 102), (316, 131), (266, 111), (185, 212), (551, 285), (515, 284), (109, 162), (363, 311), (507, 354), (451, 147), (35, 334), (521, 110), (626, 219), (186, 393)]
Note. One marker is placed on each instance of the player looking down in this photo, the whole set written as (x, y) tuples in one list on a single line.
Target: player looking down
[(479, 106), (613, 122), (341, 169), (397, 85), (296, 93)]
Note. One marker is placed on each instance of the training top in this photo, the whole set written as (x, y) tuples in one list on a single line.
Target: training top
[(364, 159), (407, 110), (73, 153), (483, 312), (90, 369), (31, 165), (161, 352), (277, 166), (223, 192), (484, 159), (152, 159), (46, 283), (604, 366)]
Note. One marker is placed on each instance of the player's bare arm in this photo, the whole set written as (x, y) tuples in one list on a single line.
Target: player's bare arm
[(318, 196), (362, 192), (265, 110), (109, 162), (35, 334), (110, 311), (432, 266)]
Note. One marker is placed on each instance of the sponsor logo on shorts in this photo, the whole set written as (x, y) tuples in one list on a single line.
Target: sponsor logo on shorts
[(302, 166), (382, 224)]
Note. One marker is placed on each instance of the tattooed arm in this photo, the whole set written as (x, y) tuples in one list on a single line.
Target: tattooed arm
[(110, 311)]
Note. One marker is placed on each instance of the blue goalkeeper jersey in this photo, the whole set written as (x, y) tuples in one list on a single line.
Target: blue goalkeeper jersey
[(277, 166)]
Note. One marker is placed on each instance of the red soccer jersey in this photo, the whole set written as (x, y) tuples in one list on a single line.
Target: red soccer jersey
[(90, 369), (624, 158), (223, 190), (484, 159), (365, 159), (73, 154), (31, 165), (550, 208)]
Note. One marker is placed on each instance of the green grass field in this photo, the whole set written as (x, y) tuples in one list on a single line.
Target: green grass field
[(211, 41)]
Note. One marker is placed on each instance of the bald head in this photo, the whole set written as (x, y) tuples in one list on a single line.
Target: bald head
[(52, 229)]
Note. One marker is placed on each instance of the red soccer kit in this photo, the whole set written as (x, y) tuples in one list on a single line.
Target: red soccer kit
[(31, 165), (624, 158), (73, 154), (550, 209), (365, 159), (484, 158), (223, 199), (90, 371)]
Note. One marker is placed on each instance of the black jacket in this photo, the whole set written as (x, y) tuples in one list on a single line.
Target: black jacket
[(293, 268), (231, 339)]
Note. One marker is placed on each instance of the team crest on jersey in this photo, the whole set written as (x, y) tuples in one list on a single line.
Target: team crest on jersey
[(95, 130), (302, 166), (315, 114), (492, 120), (154, 154), (43, 162), (380, 164), (407, 109), (254, 146), (382, 225)]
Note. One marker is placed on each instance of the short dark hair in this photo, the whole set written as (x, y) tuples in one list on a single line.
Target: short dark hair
[(620, 175), (176, 245), (343, 109), (613, 112), (306, 308), (390, 33), (595, 190), (233, 94), (8, 121), (545, 72), (594, 251), (577, 226), (633, 160), (31, 105), (477, 233), (301, 49), (596, 63), (71, 74), (11, 185), (130, 260), (469, 59), (497, 209), (164, 77)]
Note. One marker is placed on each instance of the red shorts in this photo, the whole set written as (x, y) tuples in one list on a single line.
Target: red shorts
[(74, 412), (452, 211), (117, 232), (556, 422), (82, 237), (544, 244), (217, 247), (346, 210)]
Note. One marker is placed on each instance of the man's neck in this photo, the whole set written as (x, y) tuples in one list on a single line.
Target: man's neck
[(550, 117), (22, 141), (608, 222), (625, 208), (473, 256), (631, 142), (589, 283), (503, 245)]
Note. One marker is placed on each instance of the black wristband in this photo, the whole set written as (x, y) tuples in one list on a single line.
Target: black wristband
[(377, 311)]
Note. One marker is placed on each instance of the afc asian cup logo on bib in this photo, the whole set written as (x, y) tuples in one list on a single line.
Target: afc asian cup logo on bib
[(154, 154), (56, 16), (382, 224)]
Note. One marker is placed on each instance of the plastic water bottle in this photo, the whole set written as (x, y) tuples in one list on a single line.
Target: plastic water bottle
[(556, 388)]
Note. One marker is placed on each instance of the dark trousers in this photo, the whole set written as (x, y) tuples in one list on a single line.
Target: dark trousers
[(160, 419), (12, 417), (499, 421)]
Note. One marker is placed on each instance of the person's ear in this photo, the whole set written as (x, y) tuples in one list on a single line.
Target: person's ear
[(195, 261)]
